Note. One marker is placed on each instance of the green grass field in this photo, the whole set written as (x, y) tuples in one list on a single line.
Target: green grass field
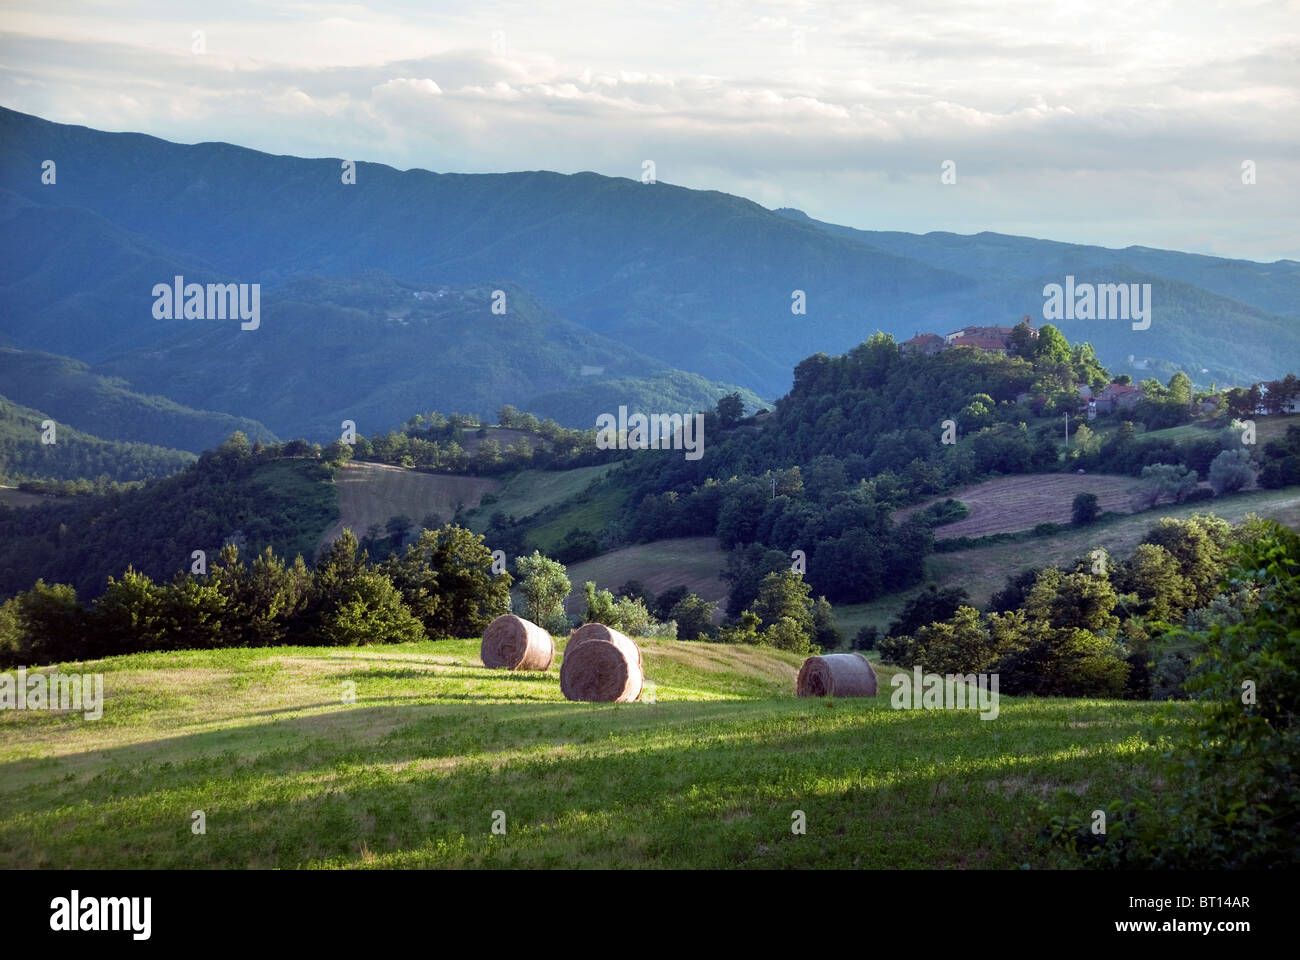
[(593, 513), (526, 492), (1267, 427), (706, 773)]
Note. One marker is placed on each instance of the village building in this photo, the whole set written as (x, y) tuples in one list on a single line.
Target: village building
[(924, 343), (1118, 397), (992, 339)]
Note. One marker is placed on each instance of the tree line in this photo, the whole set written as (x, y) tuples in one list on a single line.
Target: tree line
[(440, 587)]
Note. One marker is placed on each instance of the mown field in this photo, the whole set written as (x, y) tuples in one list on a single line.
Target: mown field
[(370, 493), (706, 773), (692, 562), (981, 570), (1009, 504), (528, 491)]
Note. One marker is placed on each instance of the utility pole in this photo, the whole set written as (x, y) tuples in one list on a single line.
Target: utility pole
[(1067, 431)]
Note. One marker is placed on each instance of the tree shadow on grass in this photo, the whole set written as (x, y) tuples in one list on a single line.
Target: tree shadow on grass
[(665, 780), (468, 673)]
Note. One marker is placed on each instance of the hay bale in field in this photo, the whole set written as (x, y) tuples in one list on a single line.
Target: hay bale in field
[(836, 675), (598, 631), (514, 643), (601, 668)]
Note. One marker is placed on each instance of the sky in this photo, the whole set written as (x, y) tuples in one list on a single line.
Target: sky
[(1115, 124)]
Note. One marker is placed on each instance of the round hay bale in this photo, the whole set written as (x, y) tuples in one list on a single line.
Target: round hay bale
[(598, 631), (599, 670), (836, 675), (514, 643)]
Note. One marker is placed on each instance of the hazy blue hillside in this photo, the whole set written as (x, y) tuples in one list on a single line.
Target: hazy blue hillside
[(698, 280), (1234, 319), (68, 391), (701, 280), (369, 350), (71, 282)]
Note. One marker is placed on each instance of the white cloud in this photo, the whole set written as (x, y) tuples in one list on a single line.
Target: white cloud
[(1114, 124), (403, 85)]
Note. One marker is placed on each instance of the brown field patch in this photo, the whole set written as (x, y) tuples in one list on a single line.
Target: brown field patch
[(370, 493), (694, 562), (1011, 504), (21, 498)]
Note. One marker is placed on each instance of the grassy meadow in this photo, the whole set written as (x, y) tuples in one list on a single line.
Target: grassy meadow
[(527, 491), (705, 772)]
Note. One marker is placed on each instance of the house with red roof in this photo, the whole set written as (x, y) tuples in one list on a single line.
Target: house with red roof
[(926, 343), (1117, 397)]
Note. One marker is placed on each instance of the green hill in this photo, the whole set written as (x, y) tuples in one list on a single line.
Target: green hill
[(75, 455), (369, 351), (706, 772), (67, 390), (286, 504)]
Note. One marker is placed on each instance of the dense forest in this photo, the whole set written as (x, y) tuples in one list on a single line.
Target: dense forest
[(864, 433), (245, 494), (810, 487), (29, 449)]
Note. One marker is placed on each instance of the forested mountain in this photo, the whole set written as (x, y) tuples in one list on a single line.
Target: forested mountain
[(69, 392), (699, 280), (73, 454), (1197, 300), (372, 350)]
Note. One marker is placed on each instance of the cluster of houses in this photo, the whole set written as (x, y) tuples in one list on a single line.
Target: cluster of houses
[(1114, 398), (992, 339)]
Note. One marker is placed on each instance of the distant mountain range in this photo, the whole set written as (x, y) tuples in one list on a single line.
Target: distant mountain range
[(615, 291)]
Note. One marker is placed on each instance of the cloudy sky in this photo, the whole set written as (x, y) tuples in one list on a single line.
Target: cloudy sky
[(1117, 123)]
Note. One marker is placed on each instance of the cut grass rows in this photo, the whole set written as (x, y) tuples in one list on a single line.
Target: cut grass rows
[(705, 774)]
